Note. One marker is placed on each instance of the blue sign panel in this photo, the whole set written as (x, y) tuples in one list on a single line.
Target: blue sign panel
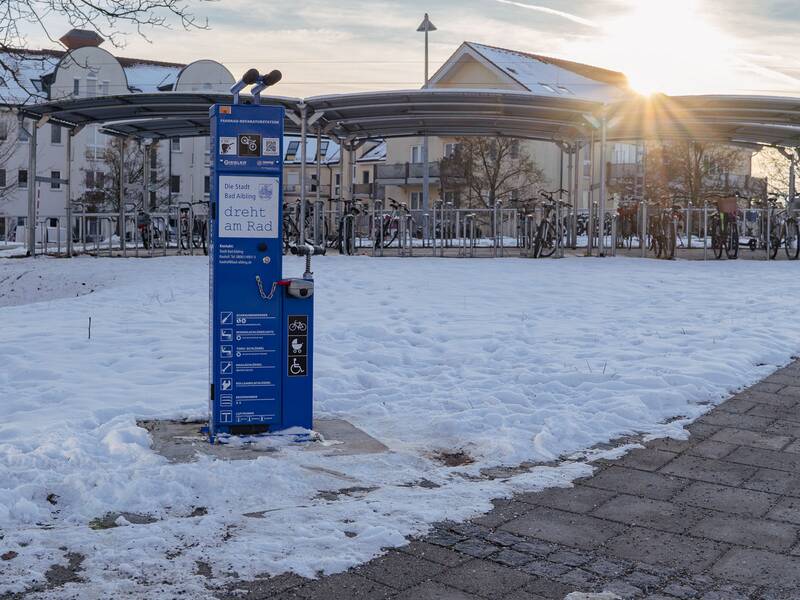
[(249, 342)]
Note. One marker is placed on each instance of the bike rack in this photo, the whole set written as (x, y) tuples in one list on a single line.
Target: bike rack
[(529, 231), (614, 220), (349, 241), (377, 228)]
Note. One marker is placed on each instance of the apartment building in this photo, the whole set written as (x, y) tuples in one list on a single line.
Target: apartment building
[(177, 170), (481, 66)]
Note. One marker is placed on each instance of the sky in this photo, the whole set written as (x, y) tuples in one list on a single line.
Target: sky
[(671, 46)]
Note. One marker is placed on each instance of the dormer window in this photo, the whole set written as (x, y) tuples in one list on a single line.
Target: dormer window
[(291, 151), (549, 88)]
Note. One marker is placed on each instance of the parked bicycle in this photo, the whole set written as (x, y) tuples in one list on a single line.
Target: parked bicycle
[(663, 229), (550, 232), (627, 222), (388, 229), (791, 229), (725, 227)]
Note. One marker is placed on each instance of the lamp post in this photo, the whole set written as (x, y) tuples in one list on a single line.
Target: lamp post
[(425, 27)]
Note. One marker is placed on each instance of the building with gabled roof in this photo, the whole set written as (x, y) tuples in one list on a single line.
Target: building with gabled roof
[(479, 65), (179, 169)]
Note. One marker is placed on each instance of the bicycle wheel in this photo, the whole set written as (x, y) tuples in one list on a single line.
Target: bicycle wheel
[(669, 240), (547, 241), (732, 241), (716, 238), (790, 244)]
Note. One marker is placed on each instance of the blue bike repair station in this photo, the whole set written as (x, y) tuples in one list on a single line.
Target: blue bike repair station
[(261, 325)]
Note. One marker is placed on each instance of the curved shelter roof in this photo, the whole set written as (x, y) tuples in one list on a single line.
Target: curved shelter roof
[(759, 120)]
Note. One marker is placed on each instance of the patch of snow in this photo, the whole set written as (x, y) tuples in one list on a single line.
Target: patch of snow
[(507, 360)]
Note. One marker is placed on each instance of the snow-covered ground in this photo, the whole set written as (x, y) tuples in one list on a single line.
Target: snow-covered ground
[(509, 360)]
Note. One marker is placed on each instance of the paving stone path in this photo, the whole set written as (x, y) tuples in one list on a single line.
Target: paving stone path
[(715, 517)]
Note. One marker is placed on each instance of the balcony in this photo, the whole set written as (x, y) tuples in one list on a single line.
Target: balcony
[(369, 190), (406, 173), (293, 189)]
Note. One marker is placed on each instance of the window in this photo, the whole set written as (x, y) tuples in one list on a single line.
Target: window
[(22, 178), (514, 196), (338, 184), (365, 177), (291, 151), (176, 144), (207, 184), (2, 178), (549, 88), (175, 184), (625, 154), (76, 87), (152, 199), (95, 179), (22, 135), (564, 90), (514, 149), (313, 182), (416, 200), (91, 86), (55, 134), (416, 154), (452, 198), (153, 155), (55, 185), (104, 88), (323, 148), (450, 150)]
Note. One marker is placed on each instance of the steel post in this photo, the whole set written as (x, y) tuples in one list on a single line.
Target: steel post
[(318, 203), (689, 225), (768, 233), (643, 230), (122, 226), (31, 225), (68, 203), (705, 231), (301, 225), (601, 245)]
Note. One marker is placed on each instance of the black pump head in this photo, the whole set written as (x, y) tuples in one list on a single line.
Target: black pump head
[(271, 78), (250, 77)]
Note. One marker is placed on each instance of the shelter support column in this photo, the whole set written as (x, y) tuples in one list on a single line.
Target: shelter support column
[(121, 183), (303, 141), (601, 234), (31, 224), (68, 192)]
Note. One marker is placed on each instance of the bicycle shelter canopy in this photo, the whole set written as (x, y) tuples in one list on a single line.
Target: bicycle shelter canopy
[(759, 120)]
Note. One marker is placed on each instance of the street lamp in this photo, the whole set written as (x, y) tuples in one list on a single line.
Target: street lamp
[(425, 27)]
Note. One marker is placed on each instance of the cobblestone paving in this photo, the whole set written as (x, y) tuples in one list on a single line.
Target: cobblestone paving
[(715, 517)]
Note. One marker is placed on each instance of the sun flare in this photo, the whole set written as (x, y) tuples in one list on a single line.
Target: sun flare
[(669, 47)]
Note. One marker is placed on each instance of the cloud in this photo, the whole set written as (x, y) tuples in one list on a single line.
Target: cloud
[(551, 11)]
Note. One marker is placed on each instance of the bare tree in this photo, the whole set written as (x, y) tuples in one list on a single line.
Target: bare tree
[(694, 168), (102, 181), (489, 169), (774, 164), (9, 133), (111, 19)]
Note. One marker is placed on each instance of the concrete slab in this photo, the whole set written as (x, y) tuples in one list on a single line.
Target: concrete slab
[(183, 441)]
